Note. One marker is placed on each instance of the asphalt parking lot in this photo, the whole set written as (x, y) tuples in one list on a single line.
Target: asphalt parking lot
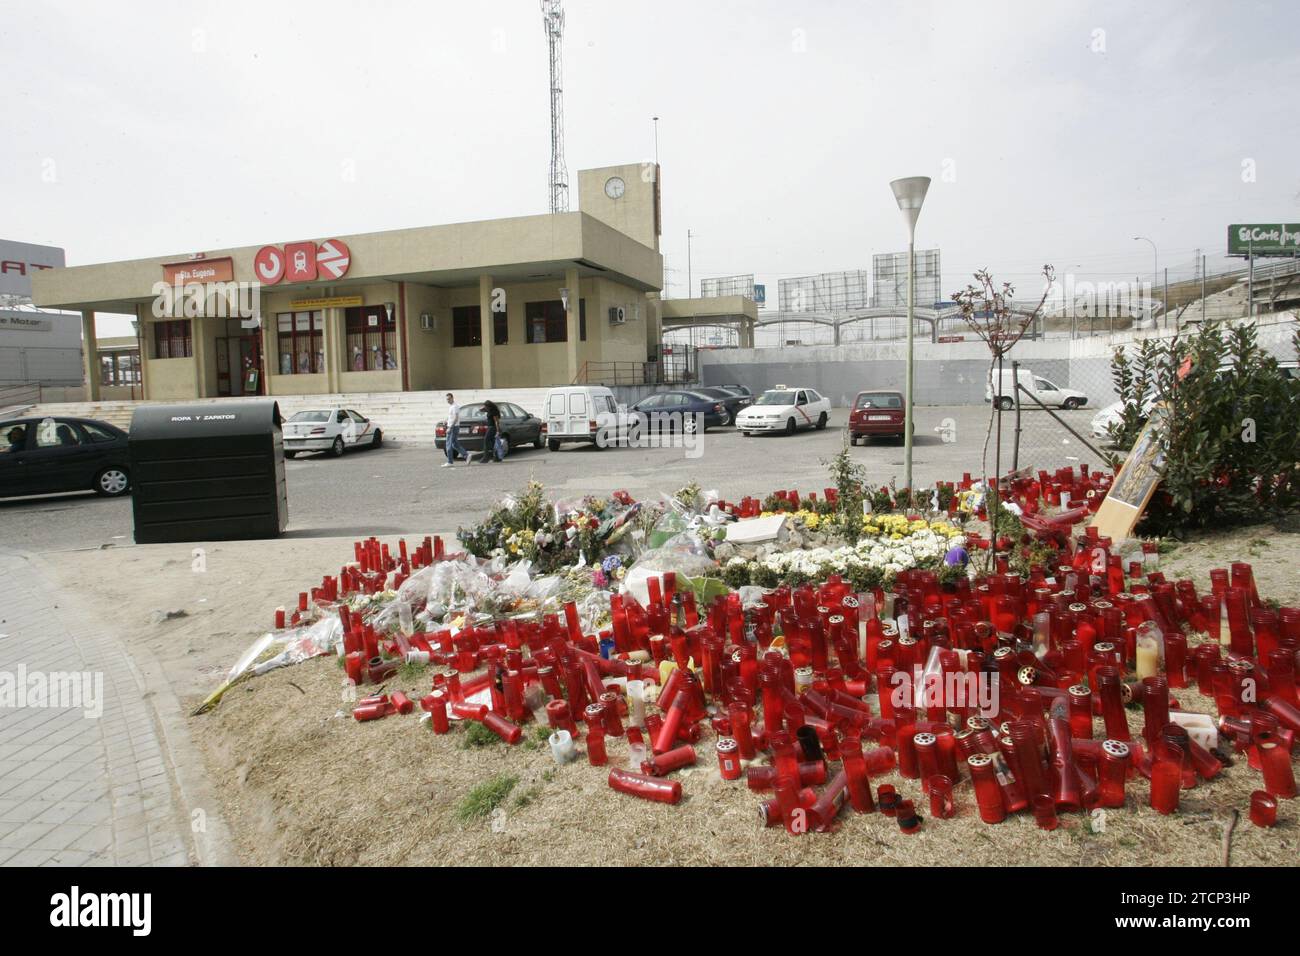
[(394, 489)]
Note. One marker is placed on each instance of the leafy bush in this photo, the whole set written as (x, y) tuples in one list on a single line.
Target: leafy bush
[(1229, 433)]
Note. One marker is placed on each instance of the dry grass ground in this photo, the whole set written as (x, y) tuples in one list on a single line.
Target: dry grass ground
[(301, 782)]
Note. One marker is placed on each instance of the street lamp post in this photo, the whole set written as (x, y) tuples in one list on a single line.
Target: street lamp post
[(1155, 271), (910, 193)]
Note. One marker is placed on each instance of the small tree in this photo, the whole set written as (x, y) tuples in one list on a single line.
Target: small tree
[(990, 312), (850, 492)]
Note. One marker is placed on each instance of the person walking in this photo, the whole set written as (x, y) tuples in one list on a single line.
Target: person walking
[(453, 446), (493, 415)]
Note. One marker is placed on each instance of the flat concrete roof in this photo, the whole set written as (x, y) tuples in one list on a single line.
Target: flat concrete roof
[(519, 249), (686, 311)]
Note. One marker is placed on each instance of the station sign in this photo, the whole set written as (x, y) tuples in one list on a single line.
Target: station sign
[(302, 262)]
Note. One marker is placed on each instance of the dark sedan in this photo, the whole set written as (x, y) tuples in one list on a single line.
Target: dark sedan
[(518, 428), (45, 456), (680, 411), (732, 403), (741, 390)]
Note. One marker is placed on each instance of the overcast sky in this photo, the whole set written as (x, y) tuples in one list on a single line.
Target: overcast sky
[(1053, 132)]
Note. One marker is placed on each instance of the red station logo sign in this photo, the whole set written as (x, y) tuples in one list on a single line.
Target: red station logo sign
[(302, 262)]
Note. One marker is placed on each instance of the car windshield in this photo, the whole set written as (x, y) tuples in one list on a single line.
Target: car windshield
[(879, 400), (312, 416), (775, 398)]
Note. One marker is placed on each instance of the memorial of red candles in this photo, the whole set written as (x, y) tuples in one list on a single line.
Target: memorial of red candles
[(812, 691)]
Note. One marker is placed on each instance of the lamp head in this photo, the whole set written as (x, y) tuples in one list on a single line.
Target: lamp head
[(910, 193)]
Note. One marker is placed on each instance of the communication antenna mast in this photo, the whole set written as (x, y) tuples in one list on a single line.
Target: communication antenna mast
[(553, 20)]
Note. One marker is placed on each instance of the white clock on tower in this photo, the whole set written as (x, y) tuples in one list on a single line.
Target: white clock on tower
[(614, 187)]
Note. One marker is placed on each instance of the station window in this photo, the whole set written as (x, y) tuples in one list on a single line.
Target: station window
[(371, 339), (172, 339), (119, 368), (301, 339), (467, 327), (547, 322)]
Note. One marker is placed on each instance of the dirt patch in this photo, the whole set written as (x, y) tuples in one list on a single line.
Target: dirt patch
[(301, 782)]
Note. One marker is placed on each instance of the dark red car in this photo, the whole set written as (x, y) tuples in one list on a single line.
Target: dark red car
[(876, 414)]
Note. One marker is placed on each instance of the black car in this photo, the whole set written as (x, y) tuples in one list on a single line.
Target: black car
[(670, 411), (43, 456), (740, 390), (518, 428), (732, 402)]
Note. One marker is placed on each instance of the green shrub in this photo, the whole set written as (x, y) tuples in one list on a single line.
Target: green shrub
[(1229, 438)]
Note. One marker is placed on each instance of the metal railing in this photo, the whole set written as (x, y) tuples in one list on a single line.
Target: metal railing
[(674, 369)]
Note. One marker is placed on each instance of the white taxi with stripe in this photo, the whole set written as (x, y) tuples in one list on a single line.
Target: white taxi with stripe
[(334, 430), (785, 409)]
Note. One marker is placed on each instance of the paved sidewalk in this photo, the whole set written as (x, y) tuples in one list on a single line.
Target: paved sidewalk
[(76, 789)]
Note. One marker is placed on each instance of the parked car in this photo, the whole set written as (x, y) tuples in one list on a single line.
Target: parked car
[(518, 428), (670, 411), (334, 430), (785, 409), (1045, 391), (42, 456), (878, 414), (741, 390), (732, 402), (582, 413)]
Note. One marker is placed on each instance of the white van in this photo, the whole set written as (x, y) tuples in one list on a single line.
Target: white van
[(1046, 392), (582, 413)]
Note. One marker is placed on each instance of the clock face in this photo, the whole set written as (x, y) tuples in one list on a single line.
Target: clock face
[(614, 187)]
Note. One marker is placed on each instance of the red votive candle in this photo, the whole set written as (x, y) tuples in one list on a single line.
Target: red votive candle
[(665, 763), (503, 728), (1166, 778), (1045, 812), (941, 802), (887, 798), (645, 787), (1275, 762), (1112, 770), (596, 754), (1263, 808), (728, 758), (987, 795)]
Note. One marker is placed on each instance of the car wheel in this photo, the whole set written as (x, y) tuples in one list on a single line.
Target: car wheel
[(747, 434), (726, 419), (112, 482), (291, 455), (790, 426), (1005, 403), (821, 421), (539, 442), (378, 439), (1070, 404), (853, 439), (553, 445), (689, 426), (337, 448)]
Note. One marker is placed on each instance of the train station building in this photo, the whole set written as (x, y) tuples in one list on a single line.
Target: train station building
[(520, 302)]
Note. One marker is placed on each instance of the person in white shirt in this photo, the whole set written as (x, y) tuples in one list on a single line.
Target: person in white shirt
[(453, 445)]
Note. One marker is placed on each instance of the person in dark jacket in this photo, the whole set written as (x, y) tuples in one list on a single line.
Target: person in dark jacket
[(493, 415)]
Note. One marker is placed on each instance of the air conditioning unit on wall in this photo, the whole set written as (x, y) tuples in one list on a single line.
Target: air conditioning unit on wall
[(617, 316), (427, 323)]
